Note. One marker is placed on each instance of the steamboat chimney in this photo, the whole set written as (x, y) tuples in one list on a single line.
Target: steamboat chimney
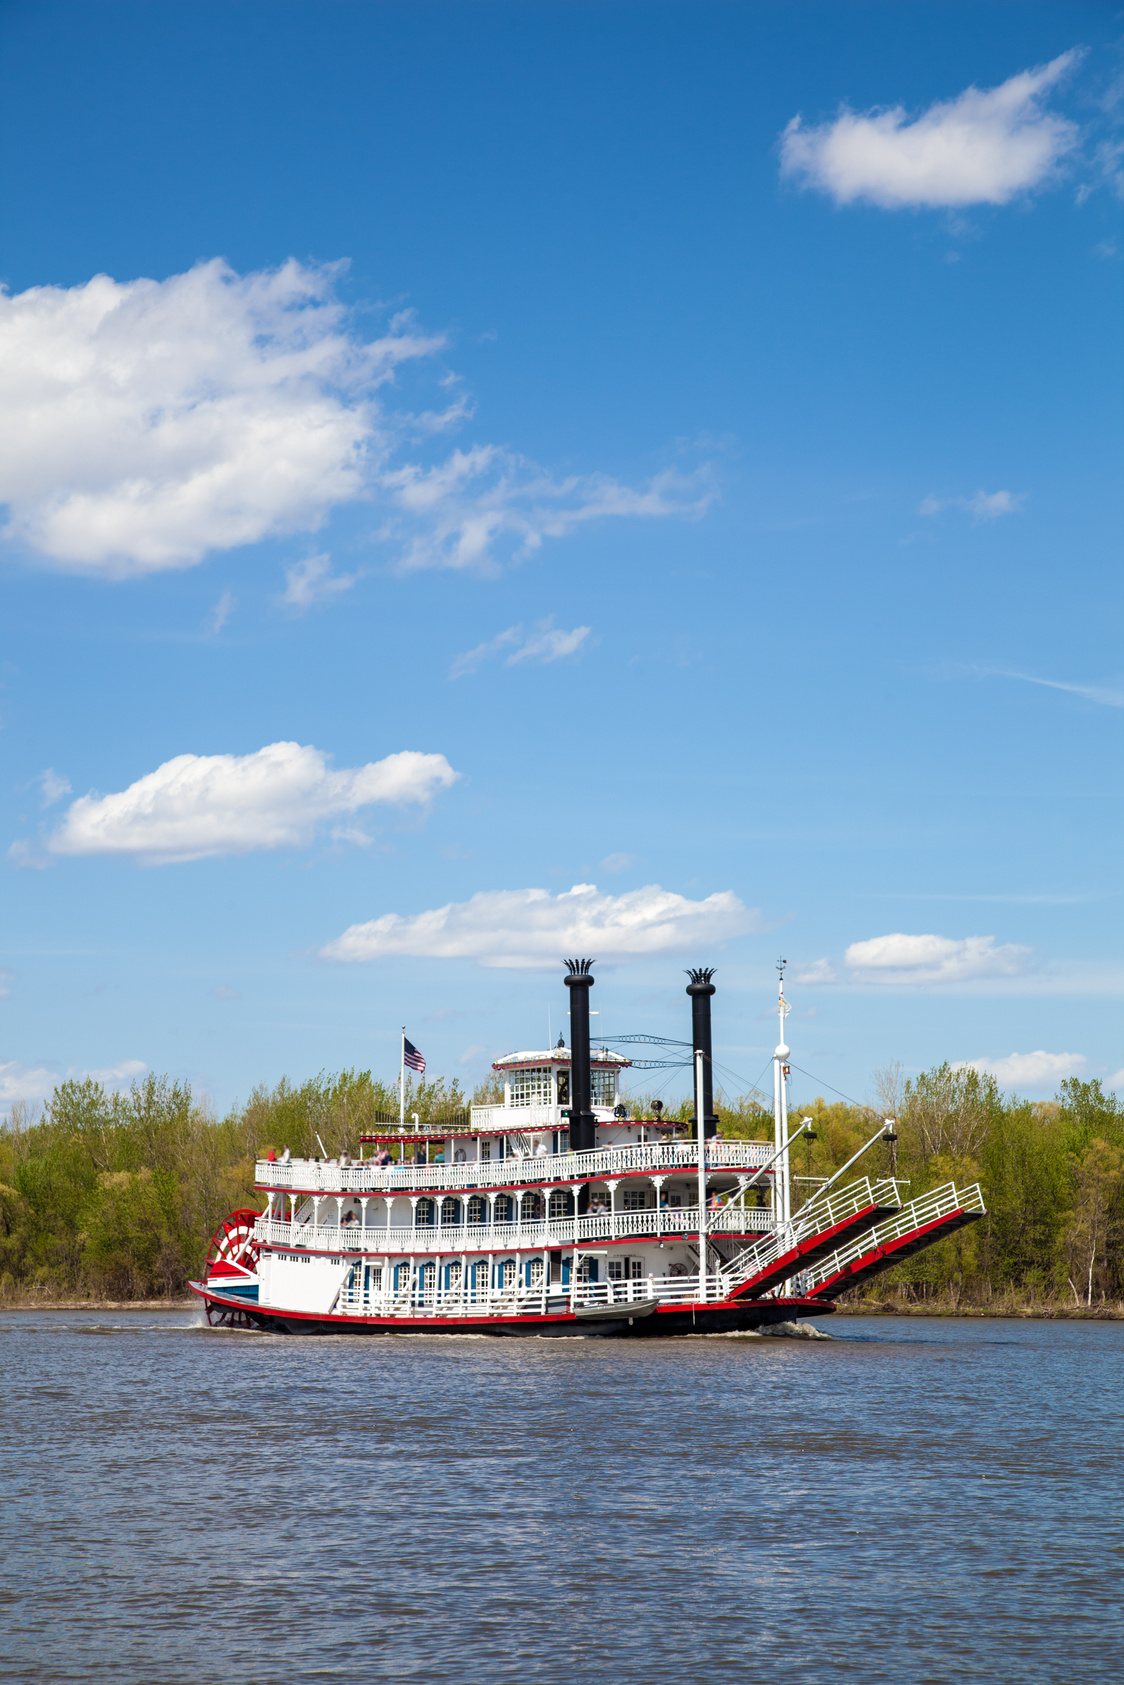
[(583, 1124), (700, 989)]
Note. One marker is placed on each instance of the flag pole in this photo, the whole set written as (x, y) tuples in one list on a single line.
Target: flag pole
[(402, 1085)]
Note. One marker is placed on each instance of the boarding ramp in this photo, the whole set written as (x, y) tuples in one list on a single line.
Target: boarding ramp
[(822, 1227), (921, 1223)]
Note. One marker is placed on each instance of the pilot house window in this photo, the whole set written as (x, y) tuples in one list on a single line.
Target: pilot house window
[(532, 1087), (604, 1084)]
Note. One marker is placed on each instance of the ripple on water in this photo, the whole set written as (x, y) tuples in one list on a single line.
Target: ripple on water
[(901, 1502)]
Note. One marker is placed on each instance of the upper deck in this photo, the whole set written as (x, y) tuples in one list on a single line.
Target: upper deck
[(522, 1166)]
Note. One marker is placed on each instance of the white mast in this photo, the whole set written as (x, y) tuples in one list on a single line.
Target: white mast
[(782, 1194)]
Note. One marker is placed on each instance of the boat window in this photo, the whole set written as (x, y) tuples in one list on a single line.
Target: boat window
[(604, 1087), (532, 1208), (534, 1273), (561, 1204), (587, 1269), (532, 1086), (478, 1209), (635, 1199), (563, 1088), (507, 1274), (425, 1214), (454, 1278), (505, 1209), (450, 1211), (482, 1271)]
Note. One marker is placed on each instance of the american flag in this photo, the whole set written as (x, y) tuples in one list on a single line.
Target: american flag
[(411, 1056)]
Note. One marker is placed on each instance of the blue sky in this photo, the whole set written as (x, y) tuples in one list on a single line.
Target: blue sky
[(663, 449)]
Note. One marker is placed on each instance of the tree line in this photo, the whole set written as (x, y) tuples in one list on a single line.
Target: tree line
[(117, 1195)]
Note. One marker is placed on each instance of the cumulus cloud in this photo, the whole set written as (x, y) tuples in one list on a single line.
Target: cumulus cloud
[(933, 959), (1028, 1071), (146, 423), (983, 147), (816, 971), (312, 581), (530, 927), (200, 805), (982, 505), (545, 643), (31, 1084)]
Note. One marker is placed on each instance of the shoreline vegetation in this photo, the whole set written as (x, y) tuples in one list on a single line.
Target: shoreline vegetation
[(110, 1200)]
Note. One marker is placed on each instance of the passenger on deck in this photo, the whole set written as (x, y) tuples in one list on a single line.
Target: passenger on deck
[(542, 1150), (384, 1158)]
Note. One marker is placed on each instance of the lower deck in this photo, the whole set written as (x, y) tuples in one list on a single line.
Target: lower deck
[(601, 1314)]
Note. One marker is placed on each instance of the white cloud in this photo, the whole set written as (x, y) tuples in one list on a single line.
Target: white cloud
[(817, 971), (222, 612), (34, 1083), (7, 978), (531, 927), (1109, 696), (618, 862), (933, 959), (1028, 1070), (545, 643), (146, 423), (200, 805), (53, 786), (982, 505), (464, 506), (983, 147), (312, 581), (1117, 1080)]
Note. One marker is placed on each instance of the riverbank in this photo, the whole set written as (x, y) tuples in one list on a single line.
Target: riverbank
[(1033, 1312), (36, 1302)]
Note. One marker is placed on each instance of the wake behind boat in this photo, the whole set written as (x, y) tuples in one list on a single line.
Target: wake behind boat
[(555, 1212)]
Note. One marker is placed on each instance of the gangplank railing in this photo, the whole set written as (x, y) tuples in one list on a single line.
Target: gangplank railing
[(816, 1218), (935, 1207)]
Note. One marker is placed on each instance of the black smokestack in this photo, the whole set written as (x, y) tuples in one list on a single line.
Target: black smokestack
[(583, 1124), (700, 989)]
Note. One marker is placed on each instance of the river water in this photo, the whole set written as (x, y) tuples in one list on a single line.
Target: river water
[(907, 1501)]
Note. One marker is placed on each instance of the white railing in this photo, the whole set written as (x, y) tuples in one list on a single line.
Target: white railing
[(658, 1157), (451, 1239), (813, 1220), (929, 1208), (420, 1298)]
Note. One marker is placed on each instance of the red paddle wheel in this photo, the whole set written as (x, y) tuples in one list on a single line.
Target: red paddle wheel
[(232, 1255)]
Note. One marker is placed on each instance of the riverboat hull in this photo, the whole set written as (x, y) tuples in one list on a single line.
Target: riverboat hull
[(637, 1321)]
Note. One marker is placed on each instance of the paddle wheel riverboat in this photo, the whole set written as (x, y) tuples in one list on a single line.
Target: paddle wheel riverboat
[(558, 1213)]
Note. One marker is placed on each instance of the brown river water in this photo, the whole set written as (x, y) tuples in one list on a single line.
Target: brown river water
[(904, 1501)]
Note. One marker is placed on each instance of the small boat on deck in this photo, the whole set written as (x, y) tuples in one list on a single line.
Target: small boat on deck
[(556, 1212)]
